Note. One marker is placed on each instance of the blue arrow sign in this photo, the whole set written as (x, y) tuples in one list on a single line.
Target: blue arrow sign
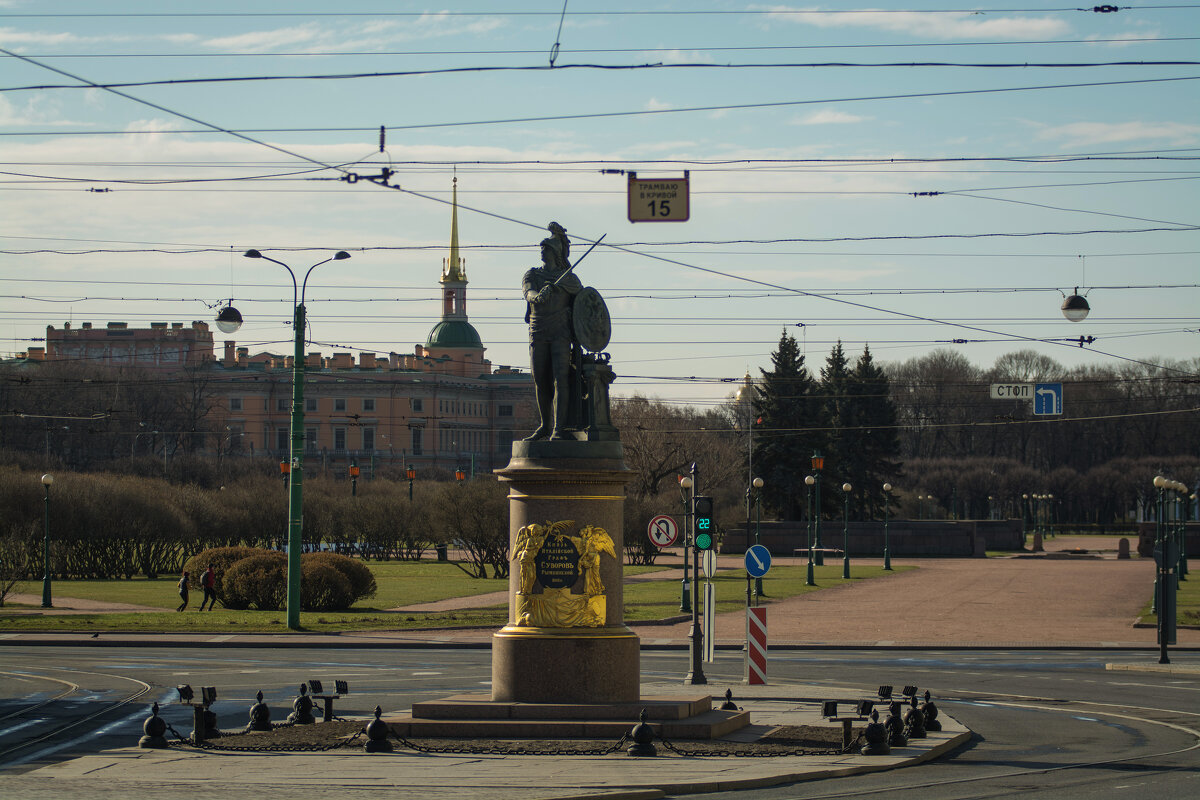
[(1047, 399), (758, 560)]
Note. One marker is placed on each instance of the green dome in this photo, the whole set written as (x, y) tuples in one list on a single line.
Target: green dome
[(454, 333)]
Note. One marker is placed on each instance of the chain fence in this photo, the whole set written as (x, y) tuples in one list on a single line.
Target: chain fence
[(515, 747)]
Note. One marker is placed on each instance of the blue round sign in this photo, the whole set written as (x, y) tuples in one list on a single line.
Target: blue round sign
[(758, 560)]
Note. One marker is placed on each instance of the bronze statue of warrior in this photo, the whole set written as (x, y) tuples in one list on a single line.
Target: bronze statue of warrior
[(549, 293)]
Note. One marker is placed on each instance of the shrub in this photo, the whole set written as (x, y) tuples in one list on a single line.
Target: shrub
[(323, 587), (259, 581), (222, 559), (360, 581)]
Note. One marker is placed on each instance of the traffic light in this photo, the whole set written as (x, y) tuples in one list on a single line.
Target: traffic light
[(702, 507)]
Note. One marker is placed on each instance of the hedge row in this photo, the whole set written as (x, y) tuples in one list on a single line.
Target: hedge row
[(112, 526)]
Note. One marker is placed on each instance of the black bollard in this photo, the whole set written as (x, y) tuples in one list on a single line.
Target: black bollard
[(260, 715), (302, 709), (643, 739), (895, 726), (154, 727), (199, 728), (930, 712), (914, 721), (876, 735), (729, 705), (377, 735)]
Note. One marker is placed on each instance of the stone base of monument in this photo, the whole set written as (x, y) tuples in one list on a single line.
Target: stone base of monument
[(470, 716), (572, 665)]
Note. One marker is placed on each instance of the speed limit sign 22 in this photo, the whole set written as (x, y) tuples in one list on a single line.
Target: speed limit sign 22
[(663, 530)]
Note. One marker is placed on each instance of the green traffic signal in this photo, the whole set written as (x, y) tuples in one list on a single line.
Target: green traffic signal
[(702, 508)]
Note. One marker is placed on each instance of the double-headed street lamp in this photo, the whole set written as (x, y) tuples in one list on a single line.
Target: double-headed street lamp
[(47, 482), (229, 320)]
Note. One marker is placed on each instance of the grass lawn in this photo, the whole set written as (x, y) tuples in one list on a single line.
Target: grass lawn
[(400, 583), (1187, 599)]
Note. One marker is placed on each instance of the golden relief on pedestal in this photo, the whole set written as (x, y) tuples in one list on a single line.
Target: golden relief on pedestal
[(552, 559)]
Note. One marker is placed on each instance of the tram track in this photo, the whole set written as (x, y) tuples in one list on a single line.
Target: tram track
[(1185, 722), (69, 726)]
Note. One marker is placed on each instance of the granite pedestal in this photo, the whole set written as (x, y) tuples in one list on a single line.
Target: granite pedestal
[(566, 640)]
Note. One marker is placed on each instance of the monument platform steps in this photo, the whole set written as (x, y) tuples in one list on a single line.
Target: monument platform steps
[(476, 716)]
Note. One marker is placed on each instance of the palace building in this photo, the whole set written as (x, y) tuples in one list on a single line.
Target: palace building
[(444, 406)]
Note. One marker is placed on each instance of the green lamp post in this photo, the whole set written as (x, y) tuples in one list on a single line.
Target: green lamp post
[(229, 321), (818, 463), (809, 480), (887, 553), (846, 488), (47, 482)]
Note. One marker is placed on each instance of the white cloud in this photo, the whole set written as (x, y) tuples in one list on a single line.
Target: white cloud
[(957, 25), (828, 116), (654, 104), (679, 57), (373, 35), (1106, 132), (1134, 37), (36, 110)]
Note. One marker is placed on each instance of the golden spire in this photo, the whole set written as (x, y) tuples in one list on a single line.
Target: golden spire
[(453, 269)]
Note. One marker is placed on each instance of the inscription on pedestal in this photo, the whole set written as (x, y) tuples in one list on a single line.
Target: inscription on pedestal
[(557, 563)]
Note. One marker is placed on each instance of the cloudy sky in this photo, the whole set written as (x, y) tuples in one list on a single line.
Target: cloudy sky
[(908, 179)]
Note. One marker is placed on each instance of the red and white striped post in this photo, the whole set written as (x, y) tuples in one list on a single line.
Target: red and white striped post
[(756, 645)]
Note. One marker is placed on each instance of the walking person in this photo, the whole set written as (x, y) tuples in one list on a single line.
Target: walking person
[(183, 591), (208, 582)]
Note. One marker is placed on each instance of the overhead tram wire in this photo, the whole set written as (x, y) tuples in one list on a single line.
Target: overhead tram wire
[(607, 13), (208, 127), (523, 223), (413, 73)]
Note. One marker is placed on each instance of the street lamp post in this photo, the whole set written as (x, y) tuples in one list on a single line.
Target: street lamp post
[(695, 676), (809, 480), (757, 485), (1162, 573), (47, 482), (685, 599), (887, 553), (354, 473), (296, 482), (411, 474), (818, 463), (846, 487)]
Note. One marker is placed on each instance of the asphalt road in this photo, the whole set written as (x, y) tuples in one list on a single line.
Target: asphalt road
[(1049, 724)]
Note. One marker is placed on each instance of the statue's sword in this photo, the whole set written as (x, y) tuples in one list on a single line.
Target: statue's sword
[(581, 258)]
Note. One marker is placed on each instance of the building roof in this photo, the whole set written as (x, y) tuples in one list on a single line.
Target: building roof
[(454, 333)]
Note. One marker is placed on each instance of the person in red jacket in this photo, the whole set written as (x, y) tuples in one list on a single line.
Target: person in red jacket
[(208, 582)]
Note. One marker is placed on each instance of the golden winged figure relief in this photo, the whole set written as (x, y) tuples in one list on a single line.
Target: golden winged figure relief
[(591, 542)]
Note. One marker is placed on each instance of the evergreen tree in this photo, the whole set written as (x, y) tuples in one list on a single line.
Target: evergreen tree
[(871, 441), (839, 452), (785, 414)]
